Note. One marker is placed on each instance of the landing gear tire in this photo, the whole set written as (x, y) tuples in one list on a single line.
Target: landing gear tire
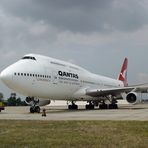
[(34, 109), (73, 107), (37, 109), (89, 107), (103, 106), (113, 106), (31, 109)]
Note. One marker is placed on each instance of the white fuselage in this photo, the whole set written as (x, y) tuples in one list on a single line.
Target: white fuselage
[(44, 77)]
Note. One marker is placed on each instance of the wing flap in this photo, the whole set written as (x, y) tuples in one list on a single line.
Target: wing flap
[(106, 92), (142, 88)]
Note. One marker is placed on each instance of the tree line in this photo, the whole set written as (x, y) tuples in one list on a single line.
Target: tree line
[(13, 100)]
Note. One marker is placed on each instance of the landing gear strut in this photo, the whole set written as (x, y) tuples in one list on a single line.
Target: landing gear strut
[(103, 105), (113, 104), (73, 106), (89, 106)]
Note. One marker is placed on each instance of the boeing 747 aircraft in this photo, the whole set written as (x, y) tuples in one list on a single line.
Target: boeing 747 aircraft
[(43, 78)]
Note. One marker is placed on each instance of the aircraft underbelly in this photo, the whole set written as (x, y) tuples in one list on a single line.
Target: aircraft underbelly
[(45, 89)]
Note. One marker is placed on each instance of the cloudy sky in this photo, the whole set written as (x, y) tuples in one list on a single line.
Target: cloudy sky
[(95, 34)]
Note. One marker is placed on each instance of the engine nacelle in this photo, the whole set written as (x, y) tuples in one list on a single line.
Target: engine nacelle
[(29, 101), (44, 102), (133, 98)]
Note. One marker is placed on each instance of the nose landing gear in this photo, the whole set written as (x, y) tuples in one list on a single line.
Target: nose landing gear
[(34, 109), (34, 104)]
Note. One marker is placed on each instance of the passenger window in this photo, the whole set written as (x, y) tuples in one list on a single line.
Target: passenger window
[(24, 74), (21, 74), (18, 74), (15, 73), (27, 74)]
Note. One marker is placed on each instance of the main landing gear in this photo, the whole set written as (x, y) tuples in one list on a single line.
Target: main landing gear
[(110, 106), (113, 104), (103, 105), (73, 106), (89, 106)]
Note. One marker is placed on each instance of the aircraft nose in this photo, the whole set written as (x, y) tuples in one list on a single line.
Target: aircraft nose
[(5, 76)]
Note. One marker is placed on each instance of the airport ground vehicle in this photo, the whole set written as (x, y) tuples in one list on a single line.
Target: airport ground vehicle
[(2, 106)]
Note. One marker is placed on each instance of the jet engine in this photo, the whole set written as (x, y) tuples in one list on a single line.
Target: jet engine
[(31, 100), (133, 98)]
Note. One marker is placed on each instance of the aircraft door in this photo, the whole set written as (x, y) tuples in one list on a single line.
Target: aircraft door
[(54, 77)]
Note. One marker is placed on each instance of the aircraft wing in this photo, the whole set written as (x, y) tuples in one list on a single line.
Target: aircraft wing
[(142, 88)]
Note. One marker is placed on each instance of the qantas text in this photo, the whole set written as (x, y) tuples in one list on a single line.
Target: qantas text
[(68, 74)]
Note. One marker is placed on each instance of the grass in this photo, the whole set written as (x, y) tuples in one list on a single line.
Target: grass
[(71, 134)]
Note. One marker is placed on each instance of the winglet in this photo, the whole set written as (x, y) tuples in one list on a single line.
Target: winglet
[(123, 74)]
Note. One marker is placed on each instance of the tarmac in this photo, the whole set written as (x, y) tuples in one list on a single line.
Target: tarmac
[(125, 112)]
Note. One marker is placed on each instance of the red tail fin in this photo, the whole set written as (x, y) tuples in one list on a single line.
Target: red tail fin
[(123, 74)]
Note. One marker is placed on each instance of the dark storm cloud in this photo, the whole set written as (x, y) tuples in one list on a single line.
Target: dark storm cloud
[(83, 16), (96, 34)]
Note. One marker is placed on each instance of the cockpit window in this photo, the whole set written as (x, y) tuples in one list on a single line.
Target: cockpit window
[(29, 57)]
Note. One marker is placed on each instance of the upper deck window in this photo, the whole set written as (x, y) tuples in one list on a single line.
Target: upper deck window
[(74, 67), (56, 63), (29, 57)]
